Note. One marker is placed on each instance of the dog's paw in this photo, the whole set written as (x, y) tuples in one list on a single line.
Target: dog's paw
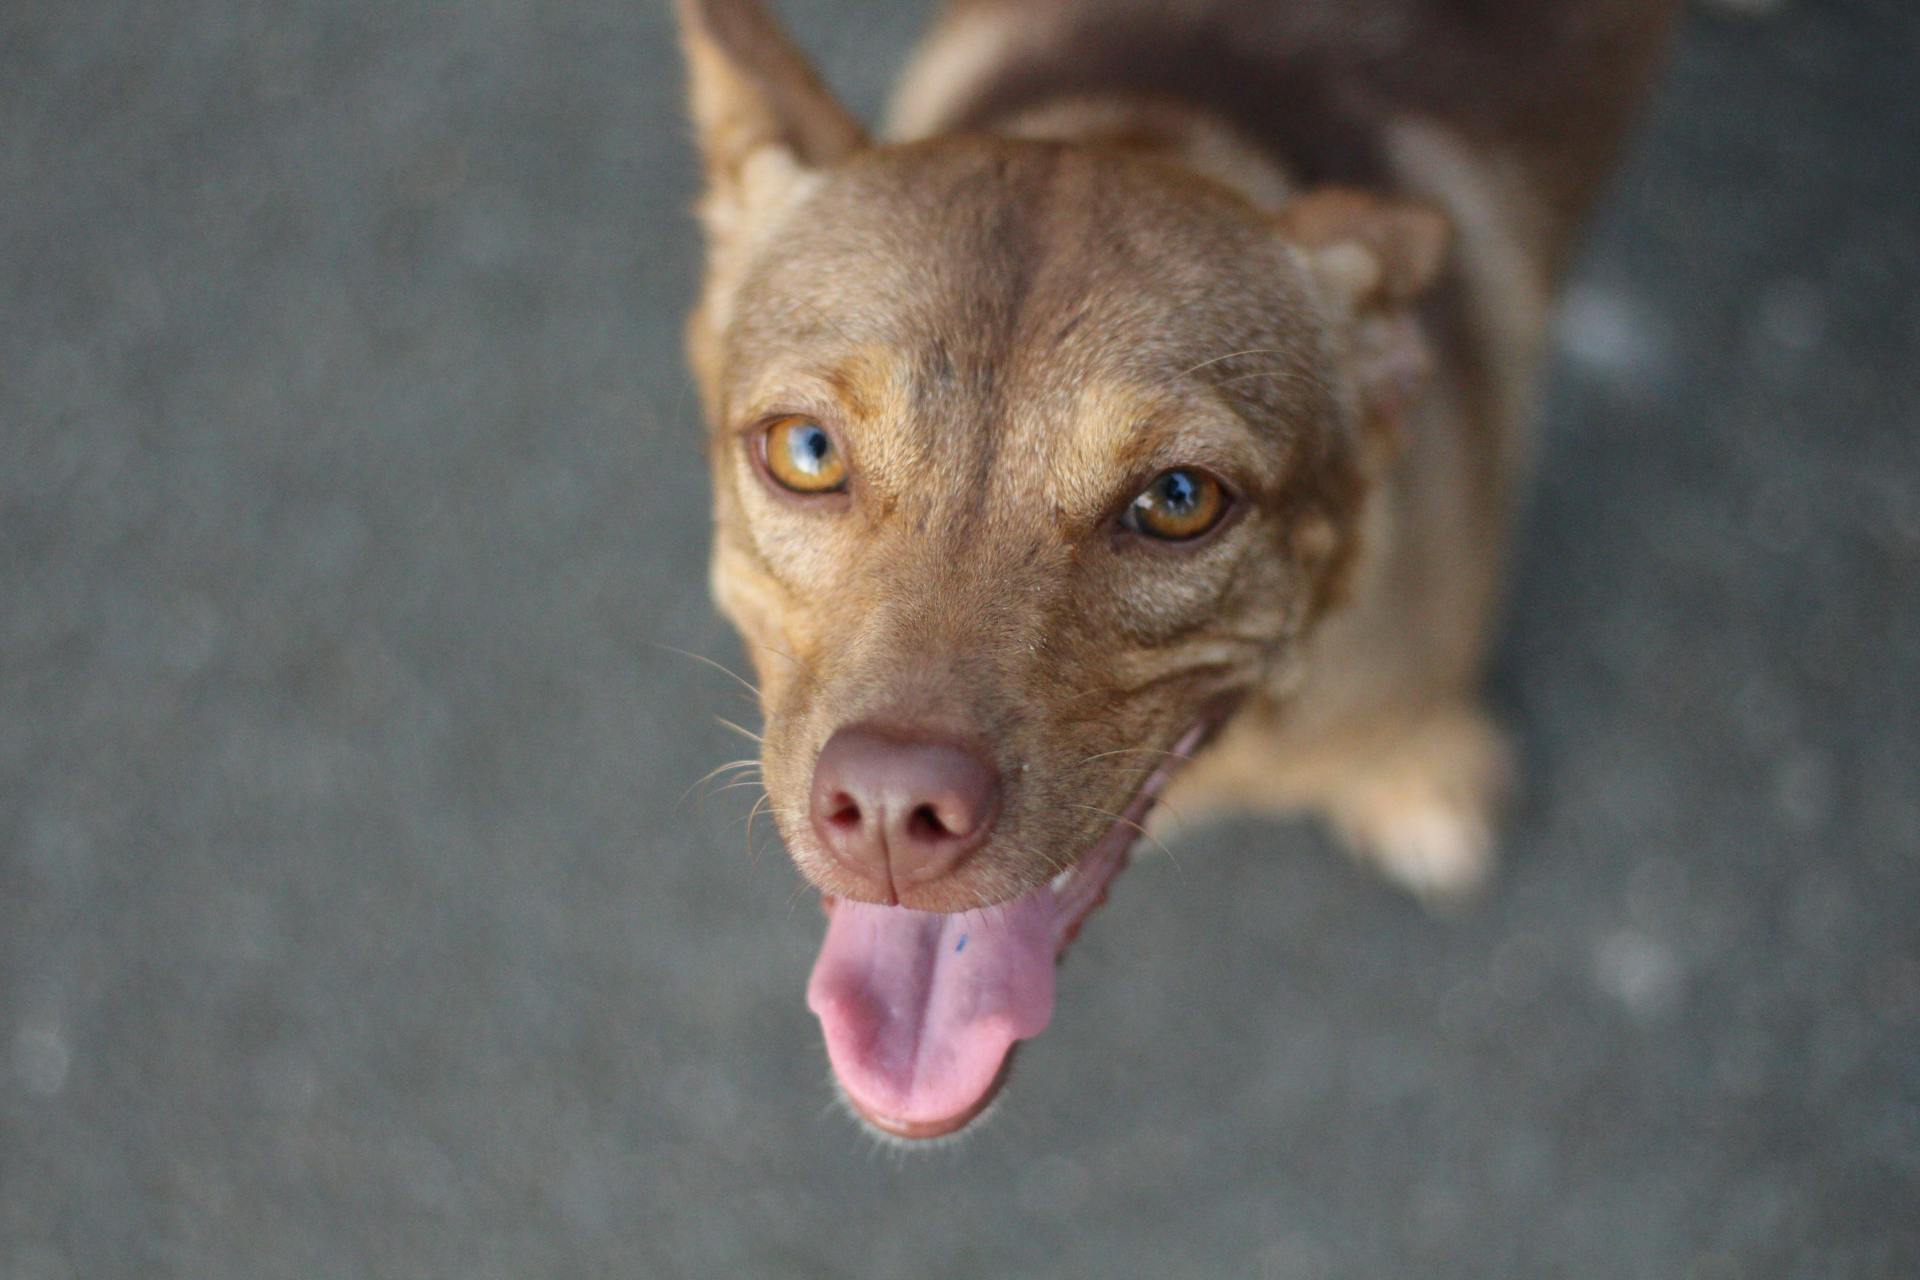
[(1436, 849), (1424, 811)]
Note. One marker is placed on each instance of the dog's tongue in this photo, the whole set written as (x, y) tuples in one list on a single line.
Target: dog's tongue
[(920, 1009)]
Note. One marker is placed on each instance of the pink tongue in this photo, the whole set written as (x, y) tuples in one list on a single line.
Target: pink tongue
[(920, 1009)]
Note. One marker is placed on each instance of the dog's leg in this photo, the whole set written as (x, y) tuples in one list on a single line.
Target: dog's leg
[(1422, 803), (1416, 797)]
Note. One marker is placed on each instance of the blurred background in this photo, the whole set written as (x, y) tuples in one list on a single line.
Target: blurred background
[(354, 916)]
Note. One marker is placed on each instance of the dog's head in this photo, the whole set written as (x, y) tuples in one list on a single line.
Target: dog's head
[(1029, 460)]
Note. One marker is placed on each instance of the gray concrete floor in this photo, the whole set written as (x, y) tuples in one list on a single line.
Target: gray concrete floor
[(351, 919)]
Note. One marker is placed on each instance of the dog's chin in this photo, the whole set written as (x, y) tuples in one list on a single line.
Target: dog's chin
[(922, 1007)]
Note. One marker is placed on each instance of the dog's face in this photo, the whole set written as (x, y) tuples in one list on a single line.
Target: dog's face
[(1029, 460), (1035, 449)]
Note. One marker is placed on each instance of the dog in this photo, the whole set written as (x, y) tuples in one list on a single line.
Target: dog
[(1142, 416)]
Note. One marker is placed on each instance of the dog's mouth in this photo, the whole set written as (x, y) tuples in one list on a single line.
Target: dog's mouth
[(921, 1010)]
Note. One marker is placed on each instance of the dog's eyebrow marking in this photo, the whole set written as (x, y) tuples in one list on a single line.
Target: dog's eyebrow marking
[(863, 383)]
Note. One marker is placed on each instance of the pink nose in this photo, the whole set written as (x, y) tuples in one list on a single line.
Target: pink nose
[(897, 809)]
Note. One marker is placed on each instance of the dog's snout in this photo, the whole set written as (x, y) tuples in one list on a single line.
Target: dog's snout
[(897, 809)]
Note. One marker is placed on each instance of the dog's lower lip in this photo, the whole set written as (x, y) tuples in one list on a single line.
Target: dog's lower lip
[(1082, 886)]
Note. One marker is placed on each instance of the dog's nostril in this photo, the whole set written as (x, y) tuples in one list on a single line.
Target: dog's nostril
[(924, 824), (844, 812)]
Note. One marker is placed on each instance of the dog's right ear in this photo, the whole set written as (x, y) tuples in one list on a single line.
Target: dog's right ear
[(762, 116), (1373, 259)]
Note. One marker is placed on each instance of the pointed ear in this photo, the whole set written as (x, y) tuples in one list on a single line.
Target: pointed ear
[(1368, 251), (1373, 258), (754, 94)]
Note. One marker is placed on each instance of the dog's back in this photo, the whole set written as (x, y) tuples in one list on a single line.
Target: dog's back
[(1549, 84)]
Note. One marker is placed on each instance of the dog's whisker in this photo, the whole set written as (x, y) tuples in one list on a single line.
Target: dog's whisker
[(794, 897), (745, 762), (740, 729), (781, 653), (724, 670), (1054, 864), (713, 773), (1231, 355), (1281, 375), (995, 912), (735, 786), (706, 798), (752, 856), (1122, 751), (1144, 833), (753, 852)]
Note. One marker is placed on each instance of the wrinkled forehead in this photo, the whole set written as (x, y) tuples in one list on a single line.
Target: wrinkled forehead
[(998, 283)]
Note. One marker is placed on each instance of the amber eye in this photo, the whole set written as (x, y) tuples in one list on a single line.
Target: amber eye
[(1178, 505), (802, 457)]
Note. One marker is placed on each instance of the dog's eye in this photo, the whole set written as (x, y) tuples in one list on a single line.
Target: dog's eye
[(1180, 504), (802, 457)]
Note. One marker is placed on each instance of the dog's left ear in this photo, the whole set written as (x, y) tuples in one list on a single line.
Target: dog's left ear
[(766, 126), (762, 116), (1373, 258)]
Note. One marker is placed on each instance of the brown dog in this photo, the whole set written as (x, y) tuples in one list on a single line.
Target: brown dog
[(1161, 384)]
